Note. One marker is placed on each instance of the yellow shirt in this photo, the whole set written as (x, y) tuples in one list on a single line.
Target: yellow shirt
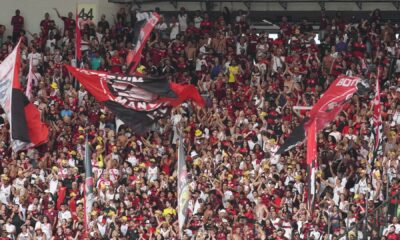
[(100, 161), (233, 70), (169, 211)]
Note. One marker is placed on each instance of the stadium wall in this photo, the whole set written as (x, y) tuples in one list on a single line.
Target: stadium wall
[(33, 11), (291, 6)]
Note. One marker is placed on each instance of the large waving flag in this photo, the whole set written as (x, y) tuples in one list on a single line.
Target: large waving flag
[(183, 186), (89, 182), (333, 100), (142, 29), (295, 138), (137, 100), (26, 128), (336, 97)]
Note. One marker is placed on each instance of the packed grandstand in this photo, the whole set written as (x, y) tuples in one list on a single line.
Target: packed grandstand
[(256, 89)]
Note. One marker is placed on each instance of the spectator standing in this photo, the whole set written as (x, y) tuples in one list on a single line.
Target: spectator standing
[(17, 22), (183, 19), (103, 24), (174, 28), (197, 19), (69, 22), (46, 25)]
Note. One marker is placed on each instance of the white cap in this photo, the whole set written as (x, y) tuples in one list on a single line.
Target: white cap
[(193, 154)]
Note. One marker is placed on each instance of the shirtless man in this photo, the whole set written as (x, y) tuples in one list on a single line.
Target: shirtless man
[(261, 210), (236, 234)]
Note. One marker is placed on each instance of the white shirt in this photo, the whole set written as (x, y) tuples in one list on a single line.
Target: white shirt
[(47, 229), (240, 47), (10, 228), (277, 63), (36, 58), (50, 43), (124, 229), (152, 173), (81, 96), (5, 194), (132, 160), (53, 186), (161, 26), (337, 135), (396, 117), (102, 229), (65, 215), (19, 183), (174, 30), (197, 21), (182, 21)]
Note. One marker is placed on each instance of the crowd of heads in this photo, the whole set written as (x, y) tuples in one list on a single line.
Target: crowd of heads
[(239, 187)]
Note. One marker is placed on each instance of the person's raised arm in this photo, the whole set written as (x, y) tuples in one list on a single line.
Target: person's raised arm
[(331, 170), (58, 14)]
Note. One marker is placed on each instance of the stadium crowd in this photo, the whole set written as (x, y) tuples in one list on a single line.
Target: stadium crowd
[(240, 189)]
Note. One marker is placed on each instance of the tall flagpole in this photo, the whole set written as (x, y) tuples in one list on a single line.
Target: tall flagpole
[(78, 41), (88, 190), (183, 185)]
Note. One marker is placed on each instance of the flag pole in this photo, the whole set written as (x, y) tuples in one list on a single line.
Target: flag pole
[(88, 187), (78, 40), (182, 183)]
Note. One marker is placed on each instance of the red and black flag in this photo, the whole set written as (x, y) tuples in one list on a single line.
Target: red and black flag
[(137, 100), (376, 136), (295, 138), (142, 29), (335, 98), (26, 128)]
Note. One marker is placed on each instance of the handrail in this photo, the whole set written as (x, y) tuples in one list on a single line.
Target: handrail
[(367, 216)]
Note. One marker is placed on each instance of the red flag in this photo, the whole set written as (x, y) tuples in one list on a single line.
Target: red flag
[(77, 37), (61, 196), (27, 130), (335, 98), (185, 92), (143, 27), (333, 101)]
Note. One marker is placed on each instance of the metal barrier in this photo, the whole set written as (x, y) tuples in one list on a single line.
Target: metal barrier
[(374, 222)]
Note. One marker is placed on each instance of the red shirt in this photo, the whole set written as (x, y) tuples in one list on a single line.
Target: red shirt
[(205, 26), (17, 22), (157, 55), (69, 23), (116, 65), (51, 215), (46, 24), (253, 41), (393, 236)]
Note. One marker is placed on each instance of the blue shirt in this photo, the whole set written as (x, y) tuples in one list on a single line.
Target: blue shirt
[(341, 46), (66, 113)]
